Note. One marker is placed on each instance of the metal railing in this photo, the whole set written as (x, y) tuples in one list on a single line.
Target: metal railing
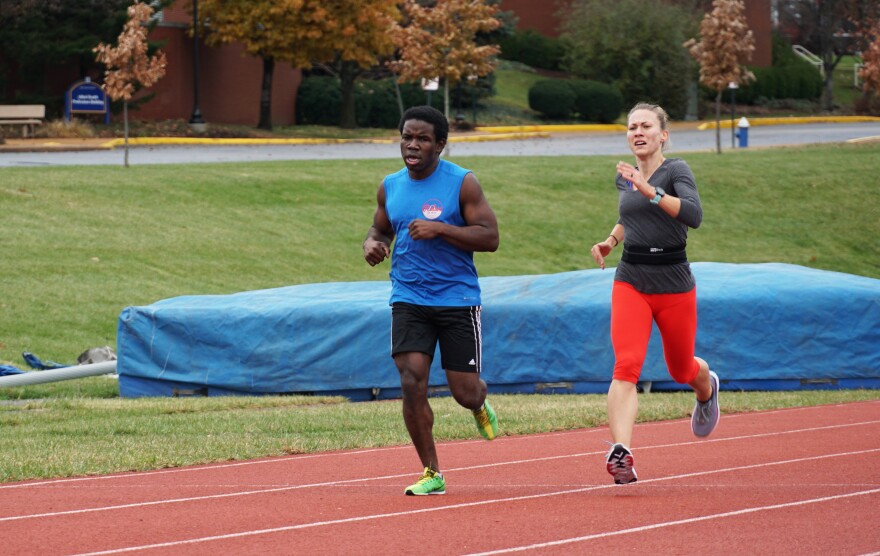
[(857, 83), (810, 57)]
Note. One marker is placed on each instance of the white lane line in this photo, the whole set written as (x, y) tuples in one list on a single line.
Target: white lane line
[(660, 525), (479, 503), (287, 459), (385, 477)]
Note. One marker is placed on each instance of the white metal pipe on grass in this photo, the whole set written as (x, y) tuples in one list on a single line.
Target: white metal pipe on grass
[(55, 375)]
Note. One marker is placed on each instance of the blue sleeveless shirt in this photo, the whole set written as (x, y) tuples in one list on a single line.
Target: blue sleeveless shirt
[(429, 271)]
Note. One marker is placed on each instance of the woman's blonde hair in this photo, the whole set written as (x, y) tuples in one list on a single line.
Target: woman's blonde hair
[(662, 116), (655, 108)]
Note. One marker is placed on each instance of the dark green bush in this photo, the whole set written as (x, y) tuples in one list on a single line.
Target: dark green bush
[(798, 80), (318, 101), (554, 98), (595, 101), (806, 81), (790, 77), (379, 99), (376, 104), (533, 49)]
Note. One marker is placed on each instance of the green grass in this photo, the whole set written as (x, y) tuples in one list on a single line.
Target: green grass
[(844, 89), (512, 87), (510, 104), (82, 243), (70, 437)]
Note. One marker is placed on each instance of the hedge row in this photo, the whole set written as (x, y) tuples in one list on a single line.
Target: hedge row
[(319, 100), (532, 49), (790, 77), (592, 101), (794, 81)]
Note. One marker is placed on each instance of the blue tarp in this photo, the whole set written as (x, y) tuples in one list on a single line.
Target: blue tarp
[(37, 363), (757, 322), (33, 361), (8, 370)]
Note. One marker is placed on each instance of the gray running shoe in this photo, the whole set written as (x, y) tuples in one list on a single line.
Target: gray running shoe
[(619, 463), (706, 414)]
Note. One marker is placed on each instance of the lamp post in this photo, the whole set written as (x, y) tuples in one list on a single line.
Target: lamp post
[(196, 122), (733, 86)]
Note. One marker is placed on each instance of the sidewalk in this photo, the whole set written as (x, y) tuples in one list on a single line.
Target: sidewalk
[(497, 133)]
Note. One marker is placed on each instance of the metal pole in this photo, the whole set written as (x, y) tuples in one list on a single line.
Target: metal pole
[(732, 117), (56, 375), (196, 120), (474, 104)]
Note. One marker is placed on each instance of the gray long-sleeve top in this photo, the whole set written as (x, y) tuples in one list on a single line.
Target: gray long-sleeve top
[(647, 225)]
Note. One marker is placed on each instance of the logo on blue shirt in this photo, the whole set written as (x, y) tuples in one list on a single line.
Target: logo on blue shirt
[(432, 209)]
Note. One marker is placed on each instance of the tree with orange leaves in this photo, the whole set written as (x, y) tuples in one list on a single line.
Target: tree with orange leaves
[(283, 30), (439, 41), (302, 32), (129, 64), (870, 71), (359, 38), (725, 45)]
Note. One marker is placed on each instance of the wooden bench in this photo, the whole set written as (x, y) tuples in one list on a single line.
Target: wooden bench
[(25, 115)]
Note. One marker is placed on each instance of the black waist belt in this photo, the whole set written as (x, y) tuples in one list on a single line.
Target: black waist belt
[(639, 254)]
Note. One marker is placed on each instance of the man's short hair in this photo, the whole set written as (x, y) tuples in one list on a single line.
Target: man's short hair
[(430, 115)]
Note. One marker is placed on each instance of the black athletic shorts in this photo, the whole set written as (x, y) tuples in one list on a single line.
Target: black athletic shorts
[(458, 329)]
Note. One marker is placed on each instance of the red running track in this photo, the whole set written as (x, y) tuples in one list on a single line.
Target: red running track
[(795, 481)]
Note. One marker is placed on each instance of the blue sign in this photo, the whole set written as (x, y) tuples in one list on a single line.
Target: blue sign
[(85, 97)]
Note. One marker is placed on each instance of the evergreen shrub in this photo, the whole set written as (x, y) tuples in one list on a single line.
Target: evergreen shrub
[(318, 101), (554, 98), (532, 49), (595, 101), (790, 77)]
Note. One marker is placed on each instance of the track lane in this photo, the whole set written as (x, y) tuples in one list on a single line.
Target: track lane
[(552, 478)]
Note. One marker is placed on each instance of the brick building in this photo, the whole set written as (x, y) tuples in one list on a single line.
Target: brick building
[(230, 81)]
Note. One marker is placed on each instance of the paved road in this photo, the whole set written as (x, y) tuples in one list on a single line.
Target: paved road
[(557, 144)]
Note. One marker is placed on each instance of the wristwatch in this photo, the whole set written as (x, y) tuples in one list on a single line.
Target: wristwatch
[(658, 196)]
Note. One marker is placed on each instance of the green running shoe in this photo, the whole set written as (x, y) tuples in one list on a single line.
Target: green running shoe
[(487, 422), (431, 482)]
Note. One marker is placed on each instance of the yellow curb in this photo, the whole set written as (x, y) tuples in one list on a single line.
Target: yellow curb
[(496, 137), (548, 128), (232, 141), (725, 124)]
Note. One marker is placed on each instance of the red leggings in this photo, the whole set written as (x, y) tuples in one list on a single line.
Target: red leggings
[(631, 316)]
